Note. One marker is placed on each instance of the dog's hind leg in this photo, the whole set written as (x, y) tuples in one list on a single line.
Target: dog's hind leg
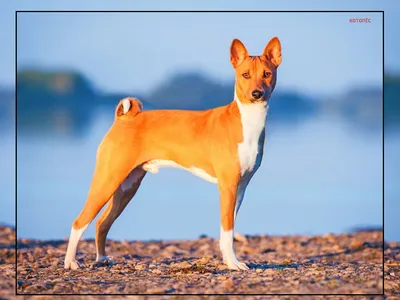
[(125, 192), (112, 168)]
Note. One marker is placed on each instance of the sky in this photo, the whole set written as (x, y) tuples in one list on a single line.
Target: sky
[(323, 53)]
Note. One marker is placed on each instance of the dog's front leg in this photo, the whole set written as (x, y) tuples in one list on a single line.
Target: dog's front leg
[(241, 190), (228, 200)]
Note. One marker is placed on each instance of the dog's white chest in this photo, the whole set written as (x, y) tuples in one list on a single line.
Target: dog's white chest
[(253, 117)]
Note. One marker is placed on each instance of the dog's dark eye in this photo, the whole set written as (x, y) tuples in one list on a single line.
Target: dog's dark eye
[(267, 74), (246, 75)]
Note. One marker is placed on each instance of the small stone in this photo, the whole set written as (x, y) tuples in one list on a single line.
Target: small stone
[(356, 244), (222, 267), (141, 267), (169, 291), (182, 265), (23, 283), (155, 291), (203, 261), (229, 283), (269, 271), (239, 237)]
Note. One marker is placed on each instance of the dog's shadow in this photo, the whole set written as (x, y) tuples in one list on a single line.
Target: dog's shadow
[(263, 267)]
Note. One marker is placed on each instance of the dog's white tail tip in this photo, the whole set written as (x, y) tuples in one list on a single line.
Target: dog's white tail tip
[(126, 103)]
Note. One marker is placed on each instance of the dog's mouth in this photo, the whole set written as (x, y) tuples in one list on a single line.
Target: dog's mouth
[(260, 100)]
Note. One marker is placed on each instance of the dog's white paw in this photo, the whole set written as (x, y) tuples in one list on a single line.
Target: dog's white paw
[(241, 266), (71, 265), (235, 264), (104, 260)]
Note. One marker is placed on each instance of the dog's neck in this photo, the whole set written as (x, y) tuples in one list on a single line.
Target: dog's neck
[(253, 118)]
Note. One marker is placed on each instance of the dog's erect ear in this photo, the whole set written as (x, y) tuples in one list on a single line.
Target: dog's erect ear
[(273, 51), (238, 53)]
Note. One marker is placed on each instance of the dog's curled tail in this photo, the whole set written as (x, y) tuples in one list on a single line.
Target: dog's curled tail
[(128, 107)]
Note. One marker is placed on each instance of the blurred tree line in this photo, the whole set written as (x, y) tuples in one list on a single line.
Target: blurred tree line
[(392, 99), (193, 91), (40, 93)]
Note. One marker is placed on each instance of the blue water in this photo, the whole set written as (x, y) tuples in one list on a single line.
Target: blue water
[(316, 177)]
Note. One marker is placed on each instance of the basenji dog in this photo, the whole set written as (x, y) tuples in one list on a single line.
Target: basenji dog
[(223, 145)]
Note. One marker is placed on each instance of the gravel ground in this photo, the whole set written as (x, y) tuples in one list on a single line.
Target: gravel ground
[(329, 264)]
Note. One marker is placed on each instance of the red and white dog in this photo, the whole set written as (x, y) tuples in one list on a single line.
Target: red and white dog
[(223, 145)]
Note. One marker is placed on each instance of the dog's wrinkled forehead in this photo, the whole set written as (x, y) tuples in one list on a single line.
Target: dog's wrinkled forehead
[(256, 63)]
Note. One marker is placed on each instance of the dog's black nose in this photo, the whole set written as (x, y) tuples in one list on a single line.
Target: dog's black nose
[(257, 94)]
